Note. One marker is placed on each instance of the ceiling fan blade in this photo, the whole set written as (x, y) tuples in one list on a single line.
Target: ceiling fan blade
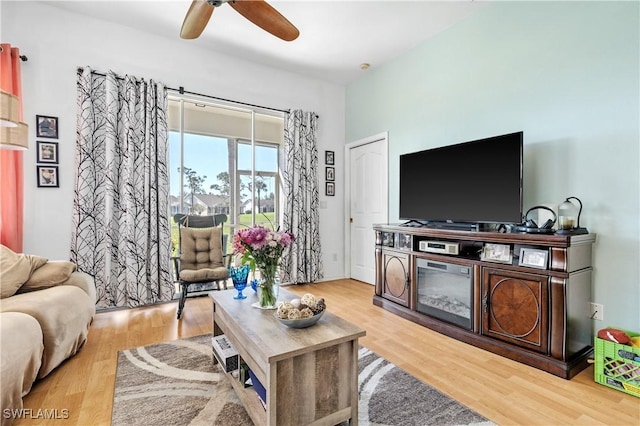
[(266, 17), (196, 19)]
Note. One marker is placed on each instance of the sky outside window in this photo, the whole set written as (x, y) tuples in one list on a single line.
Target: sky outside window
[(266, 158), (209, 156)]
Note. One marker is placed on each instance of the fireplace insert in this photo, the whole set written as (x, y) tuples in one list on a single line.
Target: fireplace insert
[(445, 291)]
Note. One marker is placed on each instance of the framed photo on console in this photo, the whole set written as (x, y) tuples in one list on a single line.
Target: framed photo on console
[(404, 241), (497, 253), (533, 258), (388, 239)]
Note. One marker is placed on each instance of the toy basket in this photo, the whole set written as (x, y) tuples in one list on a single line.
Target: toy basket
[(618, 366)]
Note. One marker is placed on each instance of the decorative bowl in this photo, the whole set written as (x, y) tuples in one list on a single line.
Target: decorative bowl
[(302, 322)]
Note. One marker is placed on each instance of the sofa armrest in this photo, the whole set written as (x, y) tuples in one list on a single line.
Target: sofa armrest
[(83, 281)]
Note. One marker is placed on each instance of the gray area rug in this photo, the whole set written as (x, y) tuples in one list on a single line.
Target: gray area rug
[(176, 383)]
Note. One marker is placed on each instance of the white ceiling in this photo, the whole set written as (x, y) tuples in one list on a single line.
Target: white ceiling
[(335, 36)]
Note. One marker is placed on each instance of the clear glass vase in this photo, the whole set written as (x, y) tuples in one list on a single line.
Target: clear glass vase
[(268, 287)]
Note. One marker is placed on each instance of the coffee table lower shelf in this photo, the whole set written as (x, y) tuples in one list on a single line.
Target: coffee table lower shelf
[(250, 400)]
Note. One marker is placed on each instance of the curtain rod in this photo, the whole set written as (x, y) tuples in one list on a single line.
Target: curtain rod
[(182, 92), (23, 58)]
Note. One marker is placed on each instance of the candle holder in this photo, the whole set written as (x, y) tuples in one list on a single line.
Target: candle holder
[(569, 218)]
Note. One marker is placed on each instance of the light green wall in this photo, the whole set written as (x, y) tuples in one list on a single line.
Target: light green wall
[(565, 73)]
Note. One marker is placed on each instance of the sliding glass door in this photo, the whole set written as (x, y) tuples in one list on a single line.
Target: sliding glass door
[(224, 159)]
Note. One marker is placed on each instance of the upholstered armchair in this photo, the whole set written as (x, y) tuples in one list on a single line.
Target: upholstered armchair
[(202, 256)]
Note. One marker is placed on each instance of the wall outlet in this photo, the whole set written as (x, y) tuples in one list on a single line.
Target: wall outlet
[(597, 311)]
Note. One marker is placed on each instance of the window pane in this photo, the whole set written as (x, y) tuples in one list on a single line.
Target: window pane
[(205, 174), (244, 217), (266, 157), (265, 200), (262, 209)]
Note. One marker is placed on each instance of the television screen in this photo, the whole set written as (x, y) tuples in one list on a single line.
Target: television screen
[(472, 182)]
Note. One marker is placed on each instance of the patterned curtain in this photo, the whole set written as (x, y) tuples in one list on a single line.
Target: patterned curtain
[(121, 222), (303, 262)]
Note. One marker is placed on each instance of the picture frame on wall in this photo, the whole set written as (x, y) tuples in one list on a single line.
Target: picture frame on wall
[(47, 152), (330, 189), (329, 158), (47, 176), (330, 173), (46, 127)]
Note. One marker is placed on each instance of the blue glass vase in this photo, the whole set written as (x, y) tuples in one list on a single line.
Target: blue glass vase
[(239, 277)]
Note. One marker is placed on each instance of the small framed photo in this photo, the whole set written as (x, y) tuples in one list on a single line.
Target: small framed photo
[(46, 127), (330, 189), (388, 239), (47, 152), (47, 176), (330, 173), (329, 158), (497, 253), (404, 241), (533, 258)]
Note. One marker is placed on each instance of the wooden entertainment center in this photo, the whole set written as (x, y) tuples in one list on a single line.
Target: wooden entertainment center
[(528, 301)]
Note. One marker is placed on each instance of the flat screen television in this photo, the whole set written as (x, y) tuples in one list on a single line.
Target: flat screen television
[(473, 182)]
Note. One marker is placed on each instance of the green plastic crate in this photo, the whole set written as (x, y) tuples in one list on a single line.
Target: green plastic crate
[(618, 366)]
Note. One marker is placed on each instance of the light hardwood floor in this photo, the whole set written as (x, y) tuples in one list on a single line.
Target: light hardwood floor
[(502, 390)]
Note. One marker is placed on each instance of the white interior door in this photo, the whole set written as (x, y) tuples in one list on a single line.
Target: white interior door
[(367, 201)]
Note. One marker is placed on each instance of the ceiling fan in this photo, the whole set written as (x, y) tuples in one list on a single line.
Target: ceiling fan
[(257, 11)]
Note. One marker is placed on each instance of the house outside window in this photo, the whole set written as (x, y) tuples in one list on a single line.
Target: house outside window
[(224, 159)]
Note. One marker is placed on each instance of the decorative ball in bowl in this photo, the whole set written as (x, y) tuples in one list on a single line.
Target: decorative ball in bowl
[(302, 322), (301, 313)]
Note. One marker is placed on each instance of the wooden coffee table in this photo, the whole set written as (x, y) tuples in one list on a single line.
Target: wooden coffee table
[(310, 375)]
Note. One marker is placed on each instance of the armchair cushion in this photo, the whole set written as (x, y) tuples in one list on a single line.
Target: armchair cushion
[(205, 274), (200, 248)]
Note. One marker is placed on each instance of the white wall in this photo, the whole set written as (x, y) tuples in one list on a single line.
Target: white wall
[(57, 42), (565, 73)]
